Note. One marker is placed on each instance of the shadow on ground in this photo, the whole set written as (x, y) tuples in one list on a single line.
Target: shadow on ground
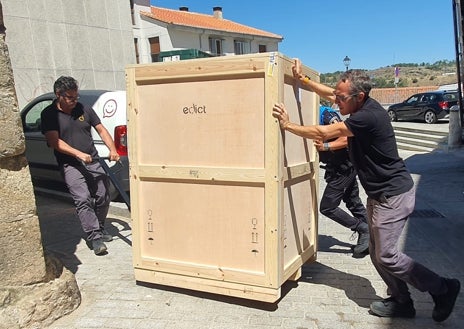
[(62, 233)]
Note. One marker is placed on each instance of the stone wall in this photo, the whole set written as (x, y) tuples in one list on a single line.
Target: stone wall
[(20, 241), (34, 290)]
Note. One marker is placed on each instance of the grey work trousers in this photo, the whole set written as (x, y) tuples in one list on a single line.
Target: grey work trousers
[(386, 221), (88, 186)]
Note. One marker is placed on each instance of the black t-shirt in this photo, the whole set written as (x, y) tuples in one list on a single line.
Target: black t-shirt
[(74, 129), (374, 153)]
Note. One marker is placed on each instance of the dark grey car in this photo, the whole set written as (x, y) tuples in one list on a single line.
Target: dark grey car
[(428, 107)]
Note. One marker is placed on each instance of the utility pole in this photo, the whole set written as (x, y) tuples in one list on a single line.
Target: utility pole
[(458, 42)]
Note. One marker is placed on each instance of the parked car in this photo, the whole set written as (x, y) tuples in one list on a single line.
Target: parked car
[(110, 106), (429, 106)]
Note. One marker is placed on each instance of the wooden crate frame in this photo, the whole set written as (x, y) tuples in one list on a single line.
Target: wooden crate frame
[(286, 179)]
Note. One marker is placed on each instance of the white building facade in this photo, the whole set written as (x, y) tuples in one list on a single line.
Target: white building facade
[(158, 30)]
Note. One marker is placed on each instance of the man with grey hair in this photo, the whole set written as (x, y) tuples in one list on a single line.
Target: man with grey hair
[(389, 187), (67, 125)]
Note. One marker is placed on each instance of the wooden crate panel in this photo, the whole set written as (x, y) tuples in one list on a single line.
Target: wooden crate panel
[(212, 123), (177, 226), (299, 221), (298, 150)]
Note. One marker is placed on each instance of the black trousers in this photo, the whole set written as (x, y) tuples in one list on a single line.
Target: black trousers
[(342, 186)]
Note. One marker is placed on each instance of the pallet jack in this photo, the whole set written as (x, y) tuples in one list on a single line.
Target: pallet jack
[(112, 177)]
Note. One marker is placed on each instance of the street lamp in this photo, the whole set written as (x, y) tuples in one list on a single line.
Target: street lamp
[(347, 62)]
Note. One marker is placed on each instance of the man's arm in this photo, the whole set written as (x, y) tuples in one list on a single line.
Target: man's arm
[(323, 91), (106, 138), (338, 144), (54, 141), (312, 132)]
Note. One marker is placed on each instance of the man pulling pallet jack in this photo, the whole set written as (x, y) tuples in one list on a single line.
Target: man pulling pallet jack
[(67, 125)]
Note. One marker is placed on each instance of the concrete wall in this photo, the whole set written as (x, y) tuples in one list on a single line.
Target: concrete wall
[(87, 39)]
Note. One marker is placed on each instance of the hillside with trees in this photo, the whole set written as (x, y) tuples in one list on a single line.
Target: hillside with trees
[(410, 75)]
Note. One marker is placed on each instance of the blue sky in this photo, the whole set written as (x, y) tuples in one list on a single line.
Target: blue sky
[(321, 33)]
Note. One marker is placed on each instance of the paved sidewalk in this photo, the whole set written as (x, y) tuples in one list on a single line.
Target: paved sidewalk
[(333, 293)]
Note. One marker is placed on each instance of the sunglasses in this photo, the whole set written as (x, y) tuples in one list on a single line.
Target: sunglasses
[(343, 98)]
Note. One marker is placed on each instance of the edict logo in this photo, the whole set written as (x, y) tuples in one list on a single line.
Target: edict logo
[(194, 109)]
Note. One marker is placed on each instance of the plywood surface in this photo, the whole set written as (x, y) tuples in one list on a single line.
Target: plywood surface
[(205, 123), (223, 200)]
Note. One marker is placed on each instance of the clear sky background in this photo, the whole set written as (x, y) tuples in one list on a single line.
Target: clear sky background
[(373, 33)]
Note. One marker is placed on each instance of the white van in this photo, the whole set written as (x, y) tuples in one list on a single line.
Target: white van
[(110, 106)]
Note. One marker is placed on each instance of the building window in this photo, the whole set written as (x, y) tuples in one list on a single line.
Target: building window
[(241, 47), (215, 46), (262, 48), (136, 45), (132, 11), (154, 48)]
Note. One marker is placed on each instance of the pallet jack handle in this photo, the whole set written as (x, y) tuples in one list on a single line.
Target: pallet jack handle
[(113, 179)]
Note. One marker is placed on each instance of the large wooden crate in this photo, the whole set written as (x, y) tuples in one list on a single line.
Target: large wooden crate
[(222, 200)]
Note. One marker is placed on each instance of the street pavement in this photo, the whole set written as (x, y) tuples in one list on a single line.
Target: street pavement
[(333, 293)]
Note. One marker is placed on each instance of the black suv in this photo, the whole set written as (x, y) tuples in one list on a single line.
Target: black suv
[(429, 106)]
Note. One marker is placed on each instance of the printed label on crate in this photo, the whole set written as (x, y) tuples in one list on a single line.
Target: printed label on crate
[(194, 109), (272, 63)]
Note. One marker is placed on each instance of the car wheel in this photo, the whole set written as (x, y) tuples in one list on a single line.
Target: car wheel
[(430, 117), (392, 115)]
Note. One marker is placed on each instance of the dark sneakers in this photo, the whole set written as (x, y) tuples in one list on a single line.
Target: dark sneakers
[(361, 248), (390, 308), (444, 303), (98, 246), (106, 236)]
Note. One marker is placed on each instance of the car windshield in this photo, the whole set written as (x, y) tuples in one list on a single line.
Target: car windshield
[(412, 99)]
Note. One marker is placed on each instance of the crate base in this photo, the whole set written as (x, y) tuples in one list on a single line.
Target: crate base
[(262, 294)]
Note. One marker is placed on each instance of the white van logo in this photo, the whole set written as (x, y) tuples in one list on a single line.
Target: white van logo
[(110, 107)]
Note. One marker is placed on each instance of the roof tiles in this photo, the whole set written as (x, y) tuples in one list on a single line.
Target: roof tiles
[(203, 21)]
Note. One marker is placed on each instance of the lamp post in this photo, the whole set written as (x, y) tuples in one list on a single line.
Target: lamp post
[(347, 62)]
